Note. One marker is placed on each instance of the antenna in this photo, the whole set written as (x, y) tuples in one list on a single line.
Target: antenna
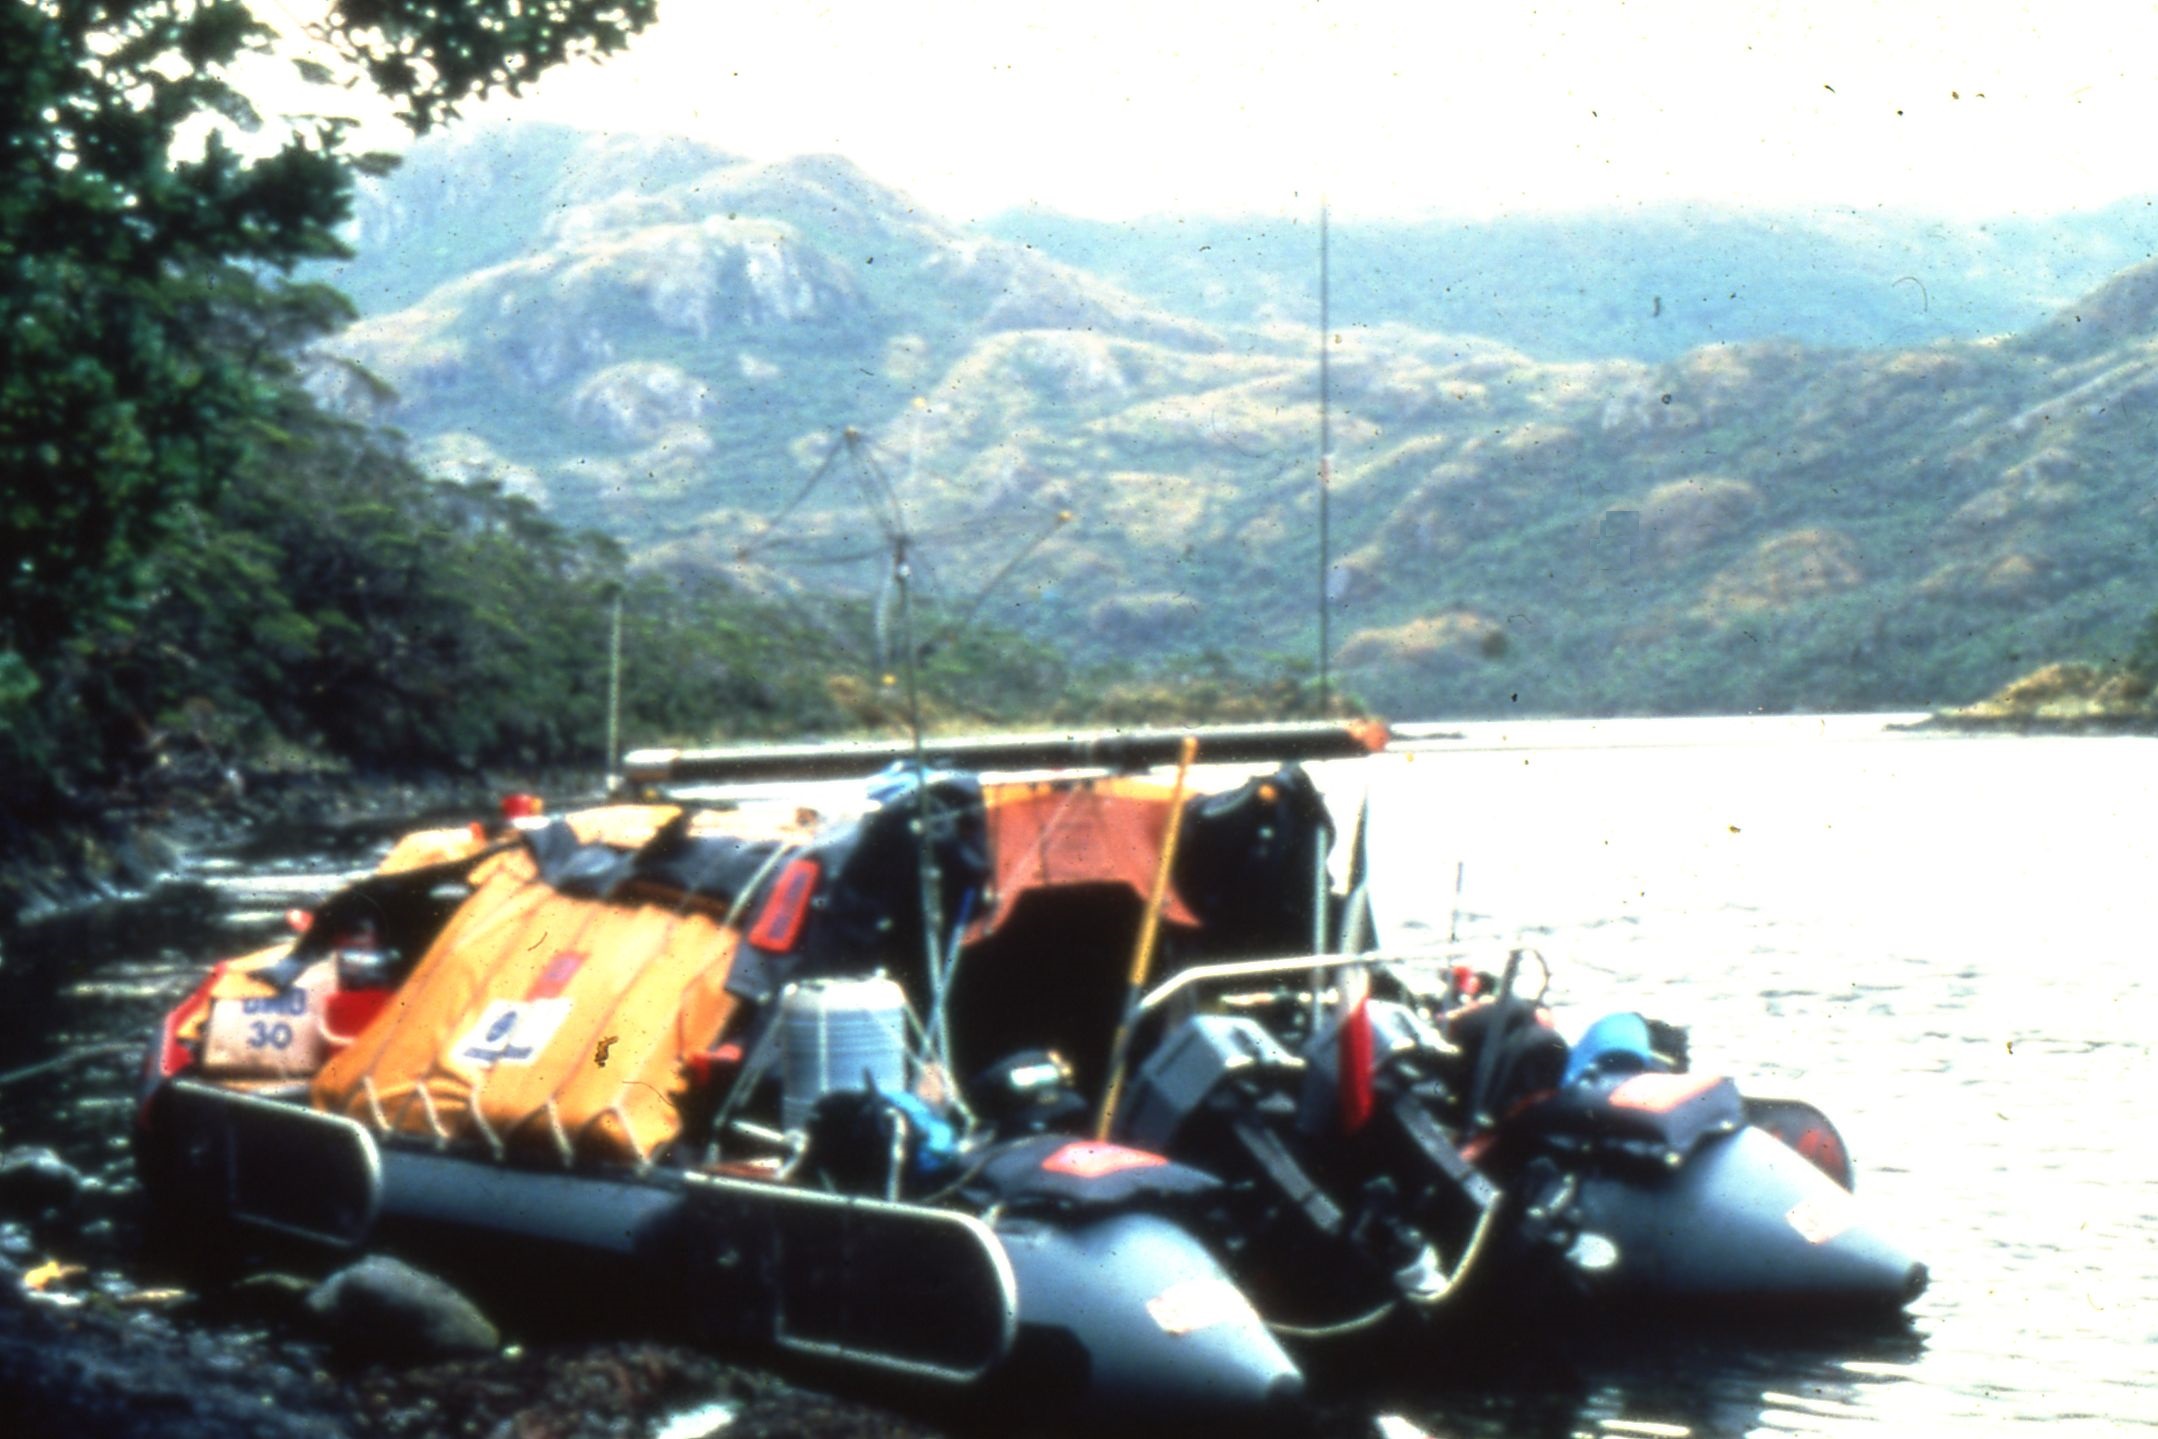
[(900, 584), (1326, 456), (614, 695), (897, 624)]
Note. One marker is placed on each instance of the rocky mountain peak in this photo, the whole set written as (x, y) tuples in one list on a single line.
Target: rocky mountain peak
[(2123, 310), (663, 340)]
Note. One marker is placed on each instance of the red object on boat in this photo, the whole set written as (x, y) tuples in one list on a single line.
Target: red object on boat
[(348, 1011), (1091, 1159), (1356, 1051), (780, 925)]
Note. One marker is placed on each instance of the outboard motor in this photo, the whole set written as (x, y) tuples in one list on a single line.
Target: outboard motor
[(1338, 1210), (1031, 1092)]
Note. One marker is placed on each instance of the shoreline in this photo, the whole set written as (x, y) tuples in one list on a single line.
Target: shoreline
[(121, 847), (2034, 725)]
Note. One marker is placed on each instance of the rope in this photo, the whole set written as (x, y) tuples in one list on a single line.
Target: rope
[(1335, 1331), (629, 1132), (476, 1113), (1485, 1223), (749, 890), (374, 1104), (561, 1135), (434, 1120)]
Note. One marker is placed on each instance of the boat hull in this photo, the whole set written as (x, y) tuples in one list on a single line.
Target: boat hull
[(1744, 1222), (1111, 1317)]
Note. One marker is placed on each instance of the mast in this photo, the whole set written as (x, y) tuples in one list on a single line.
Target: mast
[(937, 964), (1326, 458), (614, 696)]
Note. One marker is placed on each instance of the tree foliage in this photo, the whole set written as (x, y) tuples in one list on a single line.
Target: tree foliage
[(203, 569), (112, 413), (2141, 661), (333, 604), (143, 317), (127, 221), (430, 54)]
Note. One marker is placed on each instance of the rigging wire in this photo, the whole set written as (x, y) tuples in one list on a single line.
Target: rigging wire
[(1326, 453), (809, 486), (877, 488), (883, 499), (823, 624), (974, 607)]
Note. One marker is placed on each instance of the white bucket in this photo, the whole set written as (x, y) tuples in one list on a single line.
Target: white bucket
[(840, 1035)]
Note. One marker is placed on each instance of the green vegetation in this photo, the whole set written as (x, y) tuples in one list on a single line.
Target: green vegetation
[(197, 560), (117, 407), (2074, 695), (1733, 521), (123, 255), (211, 560), (211, 568)]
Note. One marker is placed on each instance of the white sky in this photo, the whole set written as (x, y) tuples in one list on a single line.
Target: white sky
[(1112, 109)]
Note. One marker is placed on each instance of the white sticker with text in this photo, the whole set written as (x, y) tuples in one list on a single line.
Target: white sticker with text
[(512, 1031)]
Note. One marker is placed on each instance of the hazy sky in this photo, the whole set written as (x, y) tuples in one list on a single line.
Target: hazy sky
[(1112, 109)]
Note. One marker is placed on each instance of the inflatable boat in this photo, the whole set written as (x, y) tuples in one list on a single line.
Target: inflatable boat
[(1056, 1068)]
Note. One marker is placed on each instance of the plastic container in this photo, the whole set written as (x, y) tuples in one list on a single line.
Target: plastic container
[(840, 1035)]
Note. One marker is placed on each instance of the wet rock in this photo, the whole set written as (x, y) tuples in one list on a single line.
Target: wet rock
[(604, 1391), (383, 1308), (90, 1371), (37, 1184), (99, 1236)]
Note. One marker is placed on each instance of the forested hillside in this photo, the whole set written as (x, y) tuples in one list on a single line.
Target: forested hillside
[(673, 345), (214, 565)]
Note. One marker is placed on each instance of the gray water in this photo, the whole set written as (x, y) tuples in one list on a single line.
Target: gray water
[(1941, 941)]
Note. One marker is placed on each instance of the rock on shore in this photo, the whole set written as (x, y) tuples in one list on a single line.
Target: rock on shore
[(90, 1349), (2067, 698), (94, 1366)]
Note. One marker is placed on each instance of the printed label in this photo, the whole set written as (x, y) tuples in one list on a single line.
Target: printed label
[(512, 1031), (269, 1035), (1200, 1303), (1819, 1218), (292, 1001)]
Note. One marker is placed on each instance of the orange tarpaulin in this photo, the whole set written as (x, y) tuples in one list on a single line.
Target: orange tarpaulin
[(1106, 831), (542, 1023)]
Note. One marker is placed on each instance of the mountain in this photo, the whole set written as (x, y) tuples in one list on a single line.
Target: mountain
[(641, 353), (683, 348), (1646, 284)]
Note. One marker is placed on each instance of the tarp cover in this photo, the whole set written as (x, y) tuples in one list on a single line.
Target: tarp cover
[(543, 1022), (1107, 831)]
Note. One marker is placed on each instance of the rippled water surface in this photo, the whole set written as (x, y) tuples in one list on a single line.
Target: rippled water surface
[(1944, 942)]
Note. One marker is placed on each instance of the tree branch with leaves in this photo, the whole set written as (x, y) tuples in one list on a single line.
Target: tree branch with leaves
[(125, 216)]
